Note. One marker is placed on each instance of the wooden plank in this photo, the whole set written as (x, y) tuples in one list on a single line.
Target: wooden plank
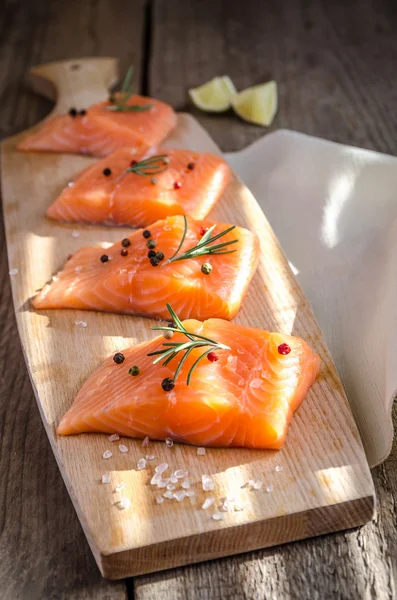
[(36, 561), (334, 64), (324, 482)]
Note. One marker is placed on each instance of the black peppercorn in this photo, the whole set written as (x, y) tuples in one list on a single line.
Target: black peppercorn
[(151, 244), (167, 384), (146, 234), (134, 371), (73, 112), (82, 112), (104, 258), (190, 166), (125, 243), (159, 256), (154, 262), (107, 172), (118, 358), (151, 253)]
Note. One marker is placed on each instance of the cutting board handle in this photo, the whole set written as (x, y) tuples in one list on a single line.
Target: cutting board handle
[(74, 83)]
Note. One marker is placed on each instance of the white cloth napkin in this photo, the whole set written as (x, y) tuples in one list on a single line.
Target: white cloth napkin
[(334, 210)]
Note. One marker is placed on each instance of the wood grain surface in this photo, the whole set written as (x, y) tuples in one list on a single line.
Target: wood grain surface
[(335, 64)]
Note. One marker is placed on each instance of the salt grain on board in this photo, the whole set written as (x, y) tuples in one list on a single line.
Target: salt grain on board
[(141, 464), (150, 457), (208, 502), (190, 493), (168, 495), (13, 272), (181, 473), (200, 451), (169, 442), (257, 484), (224, 506), (218, 516), (186, 484), (163, 482), (107, 454), (75, 234), (114, 437), (207, 483), (170, 487), (161, 467), (269, 488), (145, 442), (80, 324), (238, 507), (119, 487), (124, 503), (155, 480), (174, 478), (278, 469), (159, 499), (123, 448), (179, 495), (105, 478)]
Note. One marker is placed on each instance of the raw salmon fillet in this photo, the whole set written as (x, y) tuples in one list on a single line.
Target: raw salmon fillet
[(100, 131), (130, 284), (246, 398), (191, 184)]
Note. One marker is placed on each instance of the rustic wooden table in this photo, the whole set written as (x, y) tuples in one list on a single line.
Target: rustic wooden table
[(335, 64)]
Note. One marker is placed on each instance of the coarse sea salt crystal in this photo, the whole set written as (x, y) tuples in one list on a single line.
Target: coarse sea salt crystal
[(256, 383), (150, 457), (240, 382), (278, 468), (141, 464), (218, 516), (78, 269), (159, 499), (155, 480), (232, 362), (114, 437), (170, 487), (107, 454), (105, 478), (13, 272), (55, 278), (123, 448), (169, 442), (200, 451), (179, 495), (124, 503), (269, 488), (145, 442), (119, 487), (168, 494), (167, 228), (207, 483), (163, 482), (230, 497), (190, 493), (240, 351), (174, 478), (266, 375), (80, 324), (186, 484), (257, 484), (208, 502), (181, 473), (75, 234), (238, 507), (161, 467)]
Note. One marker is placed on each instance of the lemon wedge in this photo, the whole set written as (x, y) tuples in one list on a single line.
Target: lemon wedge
[(215, 95), (257, 104)]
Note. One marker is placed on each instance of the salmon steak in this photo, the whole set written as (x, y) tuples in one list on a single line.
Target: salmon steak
[(241, 393), (99, 131), (137, 190), (203, 268)]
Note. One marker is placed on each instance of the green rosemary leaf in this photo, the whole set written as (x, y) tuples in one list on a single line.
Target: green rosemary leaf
[(127, 80), (196, 362), (180, 243)]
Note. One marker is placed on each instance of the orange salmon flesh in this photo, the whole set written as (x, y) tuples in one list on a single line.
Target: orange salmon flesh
[(100, 131), (191, 184), (246, 398), (130, 284)]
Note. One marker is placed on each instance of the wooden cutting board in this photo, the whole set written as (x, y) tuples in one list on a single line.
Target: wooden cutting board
[(320, 481)]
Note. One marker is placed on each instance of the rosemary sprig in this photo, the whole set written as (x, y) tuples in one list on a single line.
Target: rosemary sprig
[(172, 349), (203, 247), (125, 94), (150, 166)]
